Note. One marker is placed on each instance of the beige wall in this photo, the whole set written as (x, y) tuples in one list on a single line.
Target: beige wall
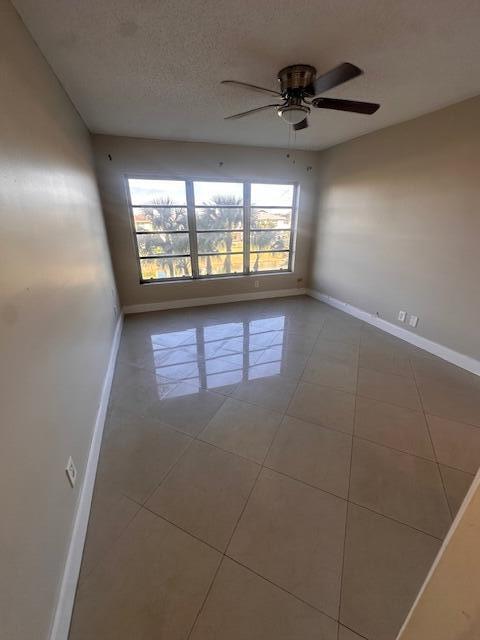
[(56, 326), (399, 224), (183, 159), (448, 607)]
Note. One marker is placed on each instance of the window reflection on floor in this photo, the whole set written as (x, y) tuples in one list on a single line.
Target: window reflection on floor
[(219, 355)]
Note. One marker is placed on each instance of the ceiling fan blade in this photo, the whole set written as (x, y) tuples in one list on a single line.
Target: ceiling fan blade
[(301, 125), (344, 72), (247, 113), (346, 105), (253, 87)]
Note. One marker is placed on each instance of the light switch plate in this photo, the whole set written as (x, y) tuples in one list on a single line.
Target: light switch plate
[(413, 321)]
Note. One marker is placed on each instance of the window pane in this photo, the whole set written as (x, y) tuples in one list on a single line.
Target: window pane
[(271, 219), (218, 193), (269, 240), (272, 195), (219, 218), (217, 264), (220, 242), (269, 261), (269, 325), (163, 244), (162, 219), (157, 191), (158, 268)]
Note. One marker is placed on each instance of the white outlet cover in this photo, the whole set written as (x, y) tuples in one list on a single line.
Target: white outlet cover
[(71, 471), (402, 315), (413, 321)]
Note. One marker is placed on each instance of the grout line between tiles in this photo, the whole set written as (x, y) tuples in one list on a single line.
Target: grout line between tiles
[(204, 601), (340, 624), (387, 446), (305, 483), (450, 511), (467, 424), (177, 526), (309, 604), (449, 466), (405, 524), (100, 561), (169, 471), (348, 493)]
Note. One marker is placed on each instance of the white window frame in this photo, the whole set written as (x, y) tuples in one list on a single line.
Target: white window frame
[(192, 230)]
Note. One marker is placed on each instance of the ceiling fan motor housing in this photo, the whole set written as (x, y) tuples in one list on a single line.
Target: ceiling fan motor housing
[(297, 80)]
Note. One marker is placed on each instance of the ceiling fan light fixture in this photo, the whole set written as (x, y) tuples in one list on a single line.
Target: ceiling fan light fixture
[(293, 114)]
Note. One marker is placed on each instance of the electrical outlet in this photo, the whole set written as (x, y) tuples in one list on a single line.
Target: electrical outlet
[(413, 321), (402, 316), (71, 471), (256, 284)]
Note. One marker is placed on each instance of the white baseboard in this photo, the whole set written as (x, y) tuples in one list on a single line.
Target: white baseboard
[(200, 302), (456, 358), (63, 612)]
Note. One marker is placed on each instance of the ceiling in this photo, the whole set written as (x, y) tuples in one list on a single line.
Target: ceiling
[(151, 68)]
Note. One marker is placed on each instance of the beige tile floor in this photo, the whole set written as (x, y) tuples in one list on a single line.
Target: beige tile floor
[(272, 470)]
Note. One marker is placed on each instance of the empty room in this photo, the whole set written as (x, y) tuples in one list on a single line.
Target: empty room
[(239, 320)]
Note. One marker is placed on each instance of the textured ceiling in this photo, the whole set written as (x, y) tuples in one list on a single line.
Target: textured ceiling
[(151, 68)]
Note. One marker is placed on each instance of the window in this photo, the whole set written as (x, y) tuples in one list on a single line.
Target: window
[(190, 229)]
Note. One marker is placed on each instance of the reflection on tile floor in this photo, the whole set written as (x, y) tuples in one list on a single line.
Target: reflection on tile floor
[(271, 470)]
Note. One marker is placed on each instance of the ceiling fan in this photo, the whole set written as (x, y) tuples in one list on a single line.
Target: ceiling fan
[(299, 90)]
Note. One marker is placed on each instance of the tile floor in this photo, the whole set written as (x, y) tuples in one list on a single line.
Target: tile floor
[(272, 470)]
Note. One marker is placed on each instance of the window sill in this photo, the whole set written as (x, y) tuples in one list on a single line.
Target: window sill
[(216, 278)]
